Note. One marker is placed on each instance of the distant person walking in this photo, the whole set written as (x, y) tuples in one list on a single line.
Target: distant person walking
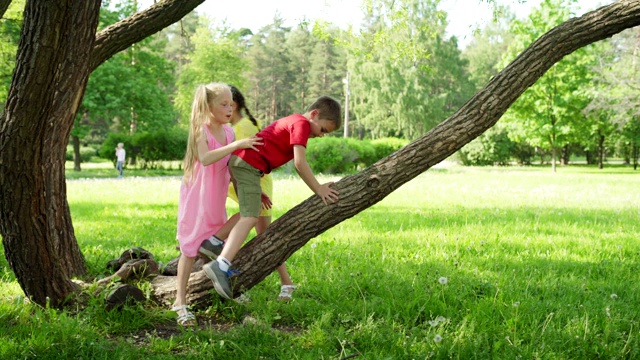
[(120, 156)]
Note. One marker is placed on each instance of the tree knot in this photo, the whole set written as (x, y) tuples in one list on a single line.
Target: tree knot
[(373, 181)]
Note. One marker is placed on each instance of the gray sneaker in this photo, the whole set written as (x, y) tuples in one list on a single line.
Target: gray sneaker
[(220, 279), (211, 250)]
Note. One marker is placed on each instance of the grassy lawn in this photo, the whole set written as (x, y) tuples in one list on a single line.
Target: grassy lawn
[(466, 263)]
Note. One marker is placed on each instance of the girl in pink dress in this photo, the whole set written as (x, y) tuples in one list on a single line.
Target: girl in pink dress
[(203, 193)]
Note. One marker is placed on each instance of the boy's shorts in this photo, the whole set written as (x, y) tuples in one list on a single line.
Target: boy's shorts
[(266, 183), (246, 179)]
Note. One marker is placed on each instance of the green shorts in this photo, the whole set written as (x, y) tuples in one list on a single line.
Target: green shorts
[(246, 179)]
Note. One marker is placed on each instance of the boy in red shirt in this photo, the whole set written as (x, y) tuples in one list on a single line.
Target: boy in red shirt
[(284, 139)]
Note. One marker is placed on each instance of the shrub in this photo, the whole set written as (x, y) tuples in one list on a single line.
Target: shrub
[(387, 146), (490, 148), (163, 145), (337, 155), (366, 152), (330, 155), (148, 148), (108, 148)]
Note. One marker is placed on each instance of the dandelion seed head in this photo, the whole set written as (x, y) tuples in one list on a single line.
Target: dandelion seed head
[(437, 338), (516, 304), (433, 322), (441, 319), (614, 296), (313, 246), (443, 280)]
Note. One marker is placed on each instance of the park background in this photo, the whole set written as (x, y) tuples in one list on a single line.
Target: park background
[(405, 76), (402, 72)]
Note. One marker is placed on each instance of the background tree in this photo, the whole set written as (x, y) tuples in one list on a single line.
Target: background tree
[(299, 44), (270, 80), (614, 93), (487, 47), (546, 113), (126, 94), (328, 64), (599, 113), (215, 57), (404, 75)]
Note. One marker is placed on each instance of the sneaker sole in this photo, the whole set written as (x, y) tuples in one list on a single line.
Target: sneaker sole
[(209, 254), (212, 276)]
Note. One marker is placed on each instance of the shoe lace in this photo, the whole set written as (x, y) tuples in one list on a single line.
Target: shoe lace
[(231, 273)]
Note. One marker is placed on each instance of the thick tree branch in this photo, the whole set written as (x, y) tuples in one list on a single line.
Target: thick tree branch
[(4, 5), (137, 27)]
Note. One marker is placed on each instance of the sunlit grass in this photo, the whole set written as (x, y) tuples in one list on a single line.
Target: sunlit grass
[(458, 263)]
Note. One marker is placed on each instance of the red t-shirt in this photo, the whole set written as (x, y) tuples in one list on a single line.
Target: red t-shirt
[(279, 139)]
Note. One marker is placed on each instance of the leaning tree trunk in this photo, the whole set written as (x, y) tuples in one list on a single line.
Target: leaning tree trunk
[(58, 50), (358, 192)]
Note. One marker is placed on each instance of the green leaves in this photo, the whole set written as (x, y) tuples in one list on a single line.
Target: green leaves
[(549, 112), (406, 77), (215, 58)]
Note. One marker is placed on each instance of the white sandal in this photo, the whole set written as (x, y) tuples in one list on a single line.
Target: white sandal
[(187, 318), (285, 292)]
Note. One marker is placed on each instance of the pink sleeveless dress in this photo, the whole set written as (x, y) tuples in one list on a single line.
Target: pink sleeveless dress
[(201, 208)]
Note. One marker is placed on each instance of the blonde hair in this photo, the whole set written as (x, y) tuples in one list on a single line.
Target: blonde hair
[(203, 100)]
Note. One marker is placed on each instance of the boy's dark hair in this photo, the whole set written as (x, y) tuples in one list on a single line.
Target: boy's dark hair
[(329, 109)]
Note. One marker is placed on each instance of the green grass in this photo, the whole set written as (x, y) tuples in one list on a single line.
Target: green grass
[(537, 265)]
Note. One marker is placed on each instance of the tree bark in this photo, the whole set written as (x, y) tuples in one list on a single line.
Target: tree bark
[(564, 155), (77, 157), (4, 5), (290, 232), (36, 227), (57, 52), (600, 151)]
